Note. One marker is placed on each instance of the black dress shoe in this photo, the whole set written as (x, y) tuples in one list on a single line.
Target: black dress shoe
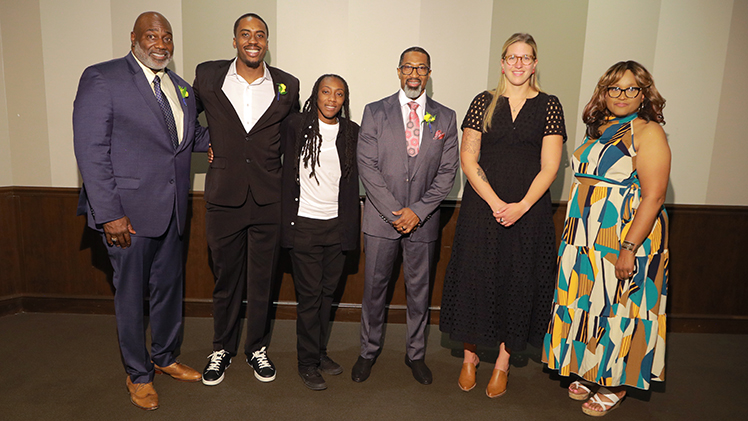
[(362, 369), (311, 378), (421, 372)]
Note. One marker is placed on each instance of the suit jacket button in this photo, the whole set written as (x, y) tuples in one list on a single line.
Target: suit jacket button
[(296, 199), (171, 181), (248, 160), (292, 223)]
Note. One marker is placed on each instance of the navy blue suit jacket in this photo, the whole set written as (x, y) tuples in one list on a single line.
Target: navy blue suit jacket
[(125, 156)]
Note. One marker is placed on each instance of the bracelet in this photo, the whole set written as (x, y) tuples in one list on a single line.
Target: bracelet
[(628, 245)]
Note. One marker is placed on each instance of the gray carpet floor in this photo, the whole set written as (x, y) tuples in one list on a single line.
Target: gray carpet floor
[(67, 367)]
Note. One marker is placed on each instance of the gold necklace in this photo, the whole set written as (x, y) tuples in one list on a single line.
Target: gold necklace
[(514, 109)]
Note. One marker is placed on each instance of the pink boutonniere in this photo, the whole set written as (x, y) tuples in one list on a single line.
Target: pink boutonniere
[(439, 135)]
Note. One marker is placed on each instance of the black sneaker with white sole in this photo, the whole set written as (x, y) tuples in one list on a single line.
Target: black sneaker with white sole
[(219, 362), (264, 368)]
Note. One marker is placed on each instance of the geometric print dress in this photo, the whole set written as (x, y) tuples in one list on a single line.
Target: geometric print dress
[(608, 331)]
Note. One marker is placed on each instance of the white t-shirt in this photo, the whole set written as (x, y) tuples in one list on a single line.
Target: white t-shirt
[(320, 201)]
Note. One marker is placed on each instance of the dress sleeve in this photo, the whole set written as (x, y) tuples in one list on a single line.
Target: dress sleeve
[(554, 118), (474, 117)]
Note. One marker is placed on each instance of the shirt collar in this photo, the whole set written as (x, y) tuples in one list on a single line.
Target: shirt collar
[(149, 75), (265, 76), (404, 100)]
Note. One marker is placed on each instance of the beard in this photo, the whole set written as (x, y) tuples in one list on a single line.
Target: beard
[(150, 62), (412, 93), (251, 64)]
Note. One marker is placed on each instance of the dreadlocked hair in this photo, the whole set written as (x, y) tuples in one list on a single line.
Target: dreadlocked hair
[(309, 142)]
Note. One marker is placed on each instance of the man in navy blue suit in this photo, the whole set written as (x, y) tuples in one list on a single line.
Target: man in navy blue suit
[(135, 127)]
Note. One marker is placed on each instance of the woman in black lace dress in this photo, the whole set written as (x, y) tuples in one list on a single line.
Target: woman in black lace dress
[(499, 282)]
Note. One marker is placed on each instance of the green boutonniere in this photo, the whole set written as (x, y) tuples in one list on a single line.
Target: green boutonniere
[(184, 92)]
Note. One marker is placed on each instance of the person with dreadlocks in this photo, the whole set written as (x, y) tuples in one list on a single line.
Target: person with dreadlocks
[(320, 215)]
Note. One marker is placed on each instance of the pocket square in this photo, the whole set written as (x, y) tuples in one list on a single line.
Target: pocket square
[(439, 135)]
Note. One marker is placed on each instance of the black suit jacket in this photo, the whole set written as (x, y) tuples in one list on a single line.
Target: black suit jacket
[(348, 196), (242, 161)]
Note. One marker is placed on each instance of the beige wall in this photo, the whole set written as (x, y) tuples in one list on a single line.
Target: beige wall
[(23, 68), (729, 167), (689, 31), (46, 44), (6, 172)]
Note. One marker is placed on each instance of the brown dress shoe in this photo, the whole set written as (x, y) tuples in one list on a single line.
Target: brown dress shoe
[(142, 395), (497, 384), (467, 377), (180, 372)]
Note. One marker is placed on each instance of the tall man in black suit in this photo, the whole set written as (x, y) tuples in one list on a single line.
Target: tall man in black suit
[(244, 100), (134, 129), (407, 160)]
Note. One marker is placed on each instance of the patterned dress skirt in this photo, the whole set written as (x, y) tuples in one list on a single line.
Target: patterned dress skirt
[(606, 330)]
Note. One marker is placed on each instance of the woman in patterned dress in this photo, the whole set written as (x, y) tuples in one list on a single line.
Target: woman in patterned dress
[(499, 281), (608, 319)]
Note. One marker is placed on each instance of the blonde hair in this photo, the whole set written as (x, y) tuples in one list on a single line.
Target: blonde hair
[(518, 37)]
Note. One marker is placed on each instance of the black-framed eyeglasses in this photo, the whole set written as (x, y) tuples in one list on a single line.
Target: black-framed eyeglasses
[(631, 92), (422, 70), (526, 59)]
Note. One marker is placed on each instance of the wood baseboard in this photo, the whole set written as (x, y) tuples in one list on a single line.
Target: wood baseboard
[(342, 312), (10, 305)]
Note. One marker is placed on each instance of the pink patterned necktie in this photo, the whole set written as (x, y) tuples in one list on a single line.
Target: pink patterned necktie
[(412, 130)]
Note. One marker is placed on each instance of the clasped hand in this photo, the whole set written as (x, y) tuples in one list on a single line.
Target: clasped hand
[(510, 213), (407, 222)]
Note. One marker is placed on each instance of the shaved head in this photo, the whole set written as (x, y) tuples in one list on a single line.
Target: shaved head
[(151, 40)]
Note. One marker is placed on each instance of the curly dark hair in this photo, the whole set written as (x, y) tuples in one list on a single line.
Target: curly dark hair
[(309, 142), (596, 112)]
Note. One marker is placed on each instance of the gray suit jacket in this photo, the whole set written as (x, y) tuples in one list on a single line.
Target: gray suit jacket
[(383, 167)]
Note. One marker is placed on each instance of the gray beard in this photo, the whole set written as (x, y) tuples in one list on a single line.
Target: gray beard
[(412, 93), (147, 60)]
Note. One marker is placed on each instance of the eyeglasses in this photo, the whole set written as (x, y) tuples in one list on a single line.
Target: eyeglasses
[(631, 92), (407, 69), (526, 59)]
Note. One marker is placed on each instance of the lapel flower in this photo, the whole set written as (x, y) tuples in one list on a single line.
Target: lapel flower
[(439, 135), (281, 90), (185, 94), (428, 118)]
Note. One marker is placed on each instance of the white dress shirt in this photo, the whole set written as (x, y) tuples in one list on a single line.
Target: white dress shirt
[(405, 108), (168, 88), (250, 100)]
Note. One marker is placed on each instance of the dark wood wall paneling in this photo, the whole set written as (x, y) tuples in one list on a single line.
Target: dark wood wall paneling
[(52, 263)]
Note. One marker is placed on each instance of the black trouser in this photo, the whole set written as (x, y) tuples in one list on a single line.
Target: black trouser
[(244, 244), (317, 258)]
